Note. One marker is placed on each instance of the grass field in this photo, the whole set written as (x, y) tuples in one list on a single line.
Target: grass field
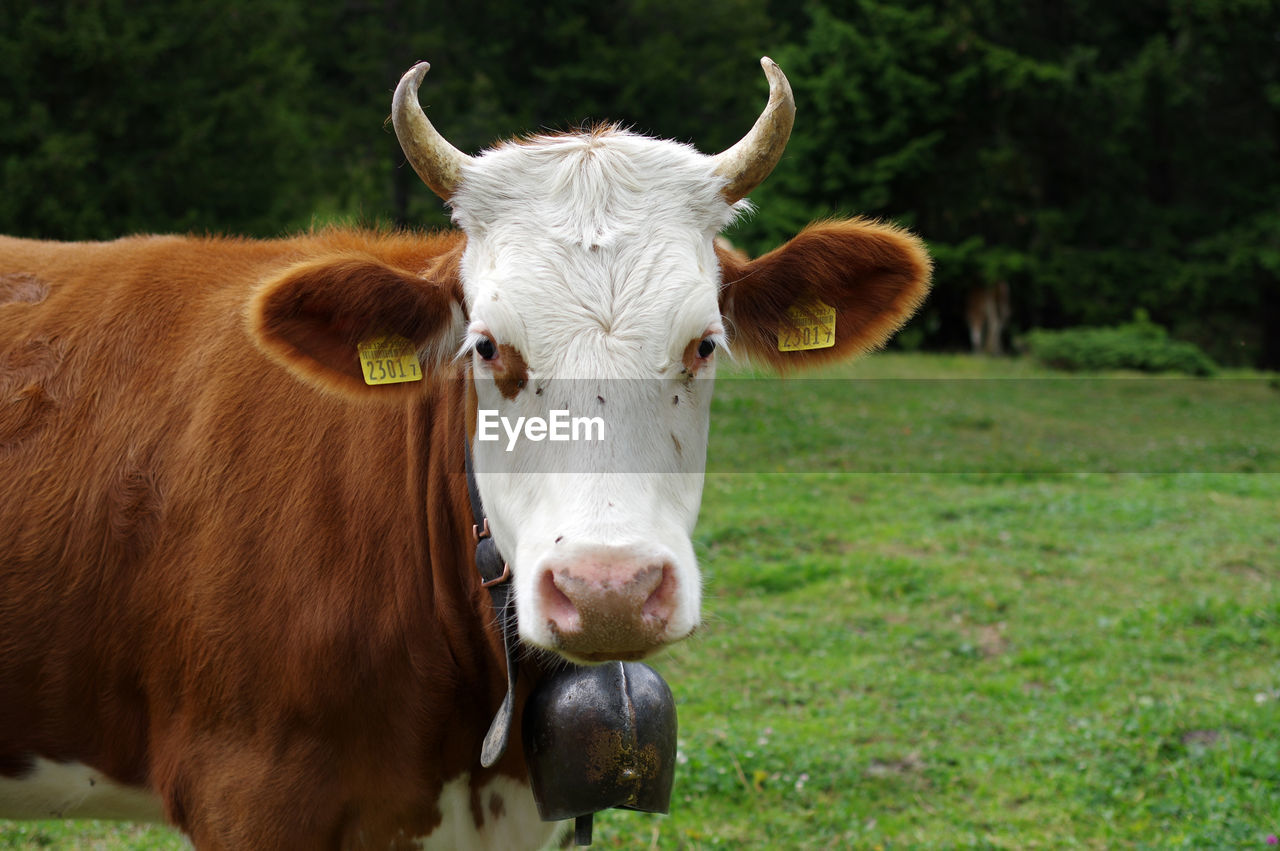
[(963, 603)]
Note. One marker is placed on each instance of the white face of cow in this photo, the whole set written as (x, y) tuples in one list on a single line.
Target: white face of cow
[(591, 286)]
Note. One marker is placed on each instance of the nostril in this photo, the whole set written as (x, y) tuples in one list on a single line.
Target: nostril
[(557, 606), (661, 601)]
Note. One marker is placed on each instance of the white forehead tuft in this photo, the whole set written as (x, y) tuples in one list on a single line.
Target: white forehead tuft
[(591, 188)]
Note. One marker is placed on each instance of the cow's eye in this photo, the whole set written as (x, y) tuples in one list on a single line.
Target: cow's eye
[(706, 347), (486, 349)]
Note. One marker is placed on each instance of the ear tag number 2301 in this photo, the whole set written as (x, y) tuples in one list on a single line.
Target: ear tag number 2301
[(389, 359), (809, 325)]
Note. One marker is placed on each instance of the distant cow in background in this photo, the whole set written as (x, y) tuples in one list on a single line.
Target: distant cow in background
[(987, 312)]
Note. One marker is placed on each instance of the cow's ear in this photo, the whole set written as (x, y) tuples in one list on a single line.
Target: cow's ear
[(871, 277), (314, 316)]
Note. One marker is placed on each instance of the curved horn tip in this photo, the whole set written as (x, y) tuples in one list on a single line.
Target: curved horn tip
[(415, 75), (417, 71), (437, 162), (777, 79), (749, 162)]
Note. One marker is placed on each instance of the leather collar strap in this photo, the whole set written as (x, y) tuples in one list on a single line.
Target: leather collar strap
[(495, 574)]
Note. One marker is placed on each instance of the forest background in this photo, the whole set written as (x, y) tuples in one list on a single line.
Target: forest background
[(1099, 157)]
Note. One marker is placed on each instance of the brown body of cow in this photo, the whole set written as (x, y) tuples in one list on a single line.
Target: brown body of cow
[(220, 584)]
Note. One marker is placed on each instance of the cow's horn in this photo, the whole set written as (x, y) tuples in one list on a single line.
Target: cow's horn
[(748, 163), (438, 163)]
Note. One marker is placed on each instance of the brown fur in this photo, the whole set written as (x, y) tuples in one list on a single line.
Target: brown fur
[(21, 287), (510, 372), (874, 275), (689, 357), (257, 599)]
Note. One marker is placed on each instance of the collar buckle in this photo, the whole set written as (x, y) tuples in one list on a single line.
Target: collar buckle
[(505, 577)]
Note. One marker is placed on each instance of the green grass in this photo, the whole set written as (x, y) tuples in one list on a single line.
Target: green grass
[(994, 627), (1064, 662), (89, 836), (1001, 417)]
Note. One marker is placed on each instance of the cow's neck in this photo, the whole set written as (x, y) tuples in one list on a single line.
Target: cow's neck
[(438, 484)]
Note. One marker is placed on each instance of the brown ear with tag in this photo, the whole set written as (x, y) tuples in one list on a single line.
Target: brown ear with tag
[(351, 322), (837, 290)]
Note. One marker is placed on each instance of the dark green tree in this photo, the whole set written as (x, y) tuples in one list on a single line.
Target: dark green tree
[(119, 116), (1098, 157)]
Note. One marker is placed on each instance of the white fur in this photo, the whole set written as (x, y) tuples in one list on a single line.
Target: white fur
[(592, 255), (54, 790), (518, 827), (71, 790)]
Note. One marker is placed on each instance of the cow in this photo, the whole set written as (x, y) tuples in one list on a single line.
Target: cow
[(238, 589), (987, 311)]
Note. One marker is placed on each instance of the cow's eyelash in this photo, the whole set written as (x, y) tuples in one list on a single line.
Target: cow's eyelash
[(722, 342), (469, 344)]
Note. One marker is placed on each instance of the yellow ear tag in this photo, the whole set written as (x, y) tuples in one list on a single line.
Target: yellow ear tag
[(807, 325), (389, 359)]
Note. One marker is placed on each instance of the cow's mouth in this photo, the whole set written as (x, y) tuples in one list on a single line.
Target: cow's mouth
[(596, 646)]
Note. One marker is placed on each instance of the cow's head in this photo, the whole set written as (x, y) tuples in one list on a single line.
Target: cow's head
[(590, 284)]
